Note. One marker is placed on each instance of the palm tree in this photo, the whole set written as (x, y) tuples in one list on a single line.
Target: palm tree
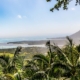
[(68, 61), (78, 48), (44, 63), (60, 62), (8, 64)]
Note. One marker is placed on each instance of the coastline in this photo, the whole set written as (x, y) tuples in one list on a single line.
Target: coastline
[(35, 43)]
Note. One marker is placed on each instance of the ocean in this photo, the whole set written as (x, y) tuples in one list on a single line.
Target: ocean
[(4, 41)]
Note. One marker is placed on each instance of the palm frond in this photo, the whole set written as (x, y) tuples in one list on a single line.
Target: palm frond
[(60, 52), (9, 77), (70, 41), (63, 68), (4, 60), (18, 50), (17, 76), (41, 57), (40, 75)]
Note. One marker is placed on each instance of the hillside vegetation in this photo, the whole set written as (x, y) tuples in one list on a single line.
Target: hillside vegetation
[(57, 64), (31, 50)]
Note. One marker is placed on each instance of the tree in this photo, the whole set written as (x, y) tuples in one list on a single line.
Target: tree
[(62, 3), (8, 64), (58, 63), (70, 67)]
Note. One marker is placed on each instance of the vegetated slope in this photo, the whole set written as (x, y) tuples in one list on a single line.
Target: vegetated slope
[(32, 50)]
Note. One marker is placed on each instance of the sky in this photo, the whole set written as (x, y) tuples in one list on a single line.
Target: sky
[(32, 18)]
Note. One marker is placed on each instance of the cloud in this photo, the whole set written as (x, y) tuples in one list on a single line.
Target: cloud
[(73, 9), (19, 16)]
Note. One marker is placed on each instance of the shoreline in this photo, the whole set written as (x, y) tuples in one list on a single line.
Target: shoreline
[(38, 43)]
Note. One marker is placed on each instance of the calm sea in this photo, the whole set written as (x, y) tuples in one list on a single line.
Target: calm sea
[(4, 41)]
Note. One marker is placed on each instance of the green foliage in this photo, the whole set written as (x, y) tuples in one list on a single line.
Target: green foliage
[(62, 3), (58, 64), (17, 76), (40, 75), (78, 48)]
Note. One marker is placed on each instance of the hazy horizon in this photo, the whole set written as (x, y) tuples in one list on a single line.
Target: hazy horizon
[(38, 37)]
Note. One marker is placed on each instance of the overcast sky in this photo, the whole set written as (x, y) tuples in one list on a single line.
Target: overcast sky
[(29, 18)]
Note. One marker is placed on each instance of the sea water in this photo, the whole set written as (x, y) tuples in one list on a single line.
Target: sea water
[(4, 43)]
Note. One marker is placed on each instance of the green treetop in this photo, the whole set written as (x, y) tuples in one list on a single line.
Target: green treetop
[(62, 3)]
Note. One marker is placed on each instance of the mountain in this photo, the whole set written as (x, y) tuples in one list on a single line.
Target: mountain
[(75, 35), (62, 40)]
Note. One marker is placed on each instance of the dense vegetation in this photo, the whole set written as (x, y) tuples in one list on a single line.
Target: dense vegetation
[(57, 64)]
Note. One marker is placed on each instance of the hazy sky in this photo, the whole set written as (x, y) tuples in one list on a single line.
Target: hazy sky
[(20, 18)]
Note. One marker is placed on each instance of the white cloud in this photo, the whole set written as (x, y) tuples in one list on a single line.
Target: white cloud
[(73, 9), (19, 16)]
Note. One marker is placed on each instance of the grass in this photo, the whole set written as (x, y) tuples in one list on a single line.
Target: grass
[(7, 54), (27, 55)]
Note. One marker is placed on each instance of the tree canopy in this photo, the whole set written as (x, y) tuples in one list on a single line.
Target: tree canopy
[(62, 3)]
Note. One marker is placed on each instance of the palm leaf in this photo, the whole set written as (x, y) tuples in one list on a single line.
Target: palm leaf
[(41, 57), (9, 77), (40, 75), (17, 76), (60, 52), (60, 68), (4, 60)]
